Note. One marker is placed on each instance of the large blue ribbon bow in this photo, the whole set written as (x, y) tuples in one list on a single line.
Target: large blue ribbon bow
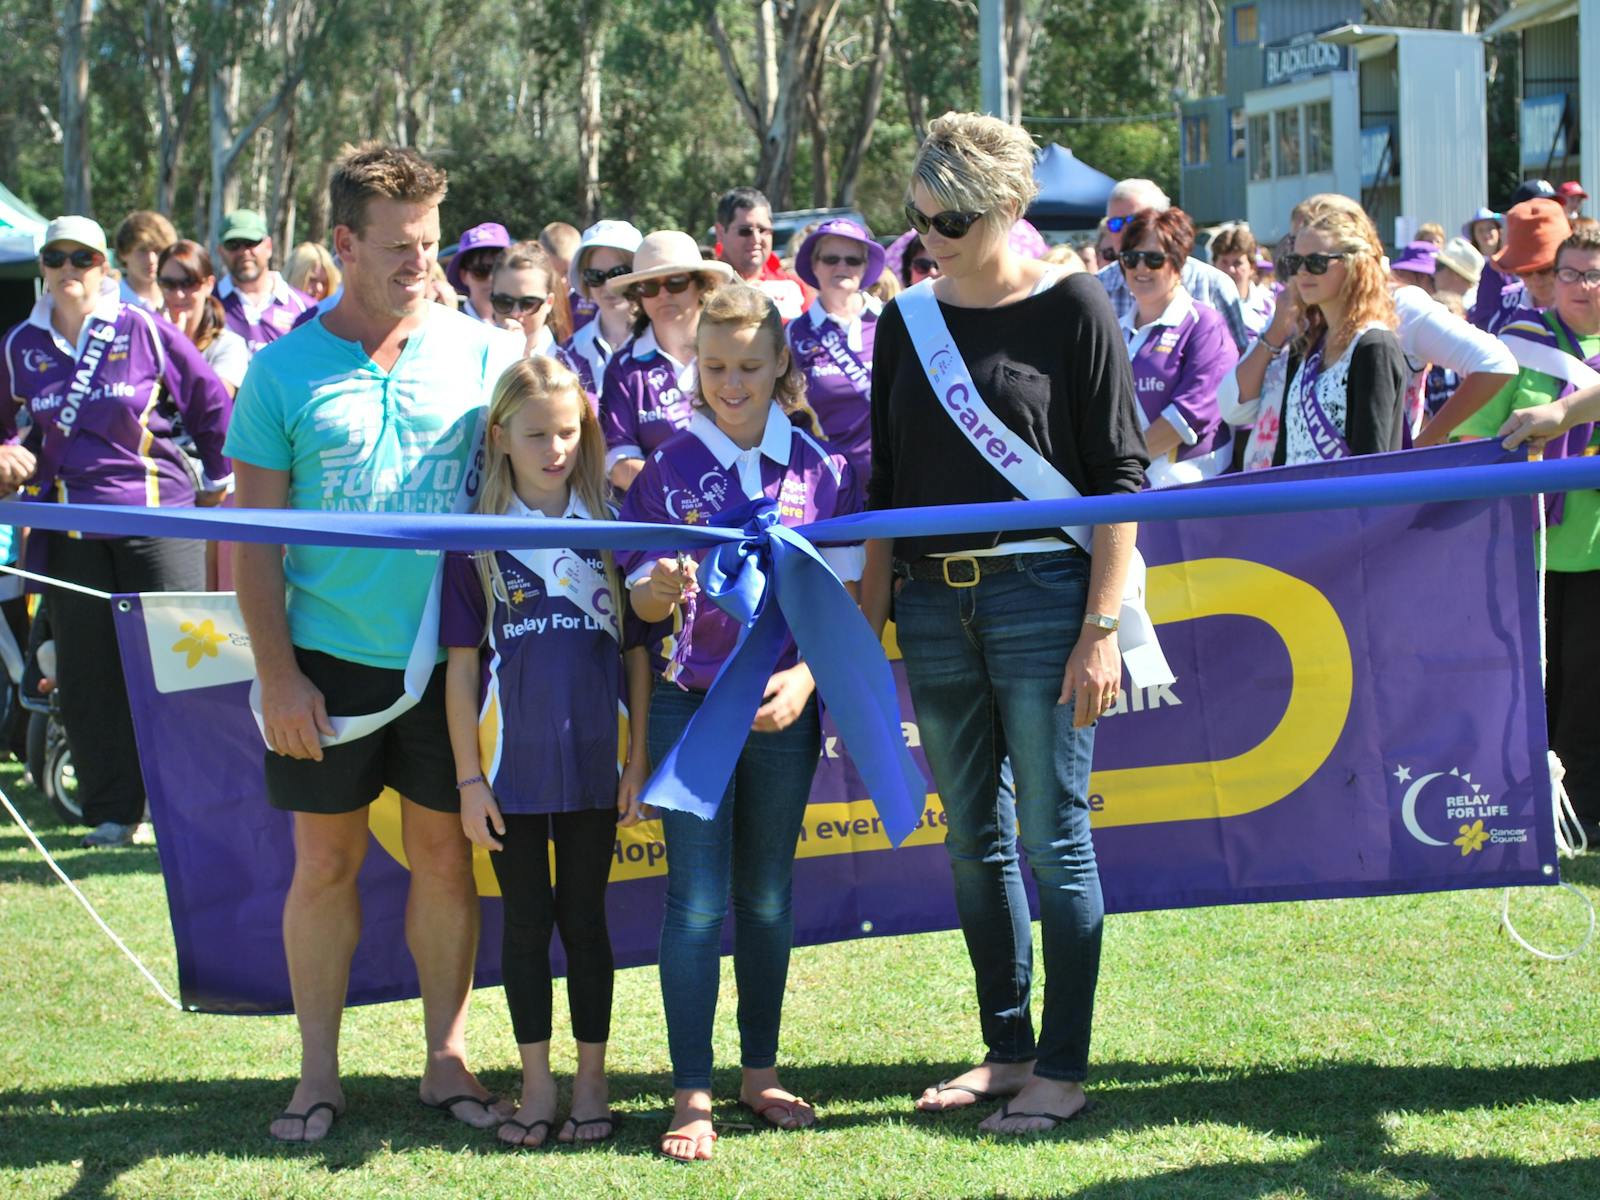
[(774, 582)]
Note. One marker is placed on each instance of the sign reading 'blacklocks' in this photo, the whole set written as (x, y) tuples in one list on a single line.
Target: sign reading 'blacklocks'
[(1302, 57)]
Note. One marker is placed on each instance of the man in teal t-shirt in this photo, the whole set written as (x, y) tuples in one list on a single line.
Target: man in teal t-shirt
[(1560, 338), (373, 406)]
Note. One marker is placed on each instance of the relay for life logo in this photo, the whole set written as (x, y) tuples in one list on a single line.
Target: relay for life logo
[(1450, 809)]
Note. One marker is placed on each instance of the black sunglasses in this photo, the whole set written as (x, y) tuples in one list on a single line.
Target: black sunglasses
[(833, 260), (1153, 259), (234, 245), (595, 277), (505, 305), (479, 268), (82, 259), (751, 231), (651, 288), (926, 265), (186, 284), (949, 224), (1315, 264)]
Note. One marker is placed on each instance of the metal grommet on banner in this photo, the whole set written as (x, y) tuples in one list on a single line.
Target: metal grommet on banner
[(124, 606)]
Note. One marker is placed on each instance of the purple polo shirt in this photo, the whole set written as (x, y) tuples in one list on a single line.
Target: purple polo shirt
[(1499, 297), (259, 326), (548, 692), (1179, 360), (122, 452), (697, 474), (837, 361), (588, 355), (582, 309), (646, 396)]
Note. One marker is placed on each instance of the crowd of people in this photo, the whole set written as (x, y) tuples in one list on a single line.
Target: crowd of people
[(608, 372)]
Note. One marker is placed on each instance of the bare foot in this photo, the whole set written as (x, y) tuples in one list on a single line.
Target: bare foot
[(1051, 1101), (981, 1084), (690, 1136), (590, 1118), (470, 1104), (534, 1119), (761, 1092), (310, 1114)]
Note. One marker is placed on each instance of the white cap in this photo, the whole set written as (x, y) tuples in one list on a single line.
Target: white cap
[(75, 229), (1462, 257), (616, 235)]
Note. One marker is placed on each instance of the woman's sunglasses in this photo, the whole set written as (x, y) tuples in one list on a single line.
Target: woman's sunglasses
[(82, 259), (505, 305), (479, 268), (1315, 264), (926, 265), (1153, 259), (185, 284), (595, 277), (833, 260), (1105, 254), (651, 288), (948, 224)]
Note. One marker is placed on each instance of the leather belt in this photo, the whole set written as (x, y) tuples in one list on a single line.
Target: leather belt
[(966, 570)]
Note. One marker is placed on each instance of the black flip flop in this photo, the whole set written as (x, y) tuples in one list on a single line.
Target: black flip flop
[(978, 1097), (304, 1118), (1057, 1118), (445, 1106), (527, 1127), (611, 1118)]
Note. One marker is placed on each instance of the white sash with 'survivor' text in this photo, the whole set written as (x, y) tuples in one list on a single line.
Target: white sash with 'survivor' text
[(424, 656), (1023, 468)]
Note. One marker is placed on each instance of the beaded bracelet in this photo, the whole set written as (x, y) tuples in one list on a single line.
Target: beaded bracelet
[(465, 783)]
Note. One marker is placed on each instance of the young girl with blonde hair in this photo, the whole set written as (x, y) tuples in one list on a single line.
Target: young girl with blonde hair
[(751, 436), (535, 670)]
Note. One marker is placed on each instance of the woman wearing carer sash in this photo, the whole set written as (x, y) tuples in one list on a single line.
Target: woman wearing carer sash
[(1010, 639), (105, 382)]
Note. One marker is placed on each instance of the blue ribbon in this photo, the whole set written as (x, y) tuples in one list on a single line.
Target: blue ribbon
[(773, 582), (756, 561)]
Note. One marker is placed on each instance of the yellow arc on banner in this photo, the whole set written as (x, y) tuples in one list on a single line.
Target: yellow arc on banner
[(1319, 703)]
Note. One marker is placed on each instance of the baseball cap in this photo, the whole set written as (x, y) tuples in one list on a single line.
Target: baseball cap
[(75, 229), (244, 224)]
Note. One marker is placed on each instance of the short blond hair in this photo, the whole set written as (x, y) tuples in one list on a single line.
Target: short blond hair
[(375, 170), (975, 163), (307, 257)]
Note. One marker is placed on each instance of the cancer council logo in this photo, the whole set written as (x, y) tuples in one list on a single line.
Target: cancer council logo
[(1448, 809), (200, 641)]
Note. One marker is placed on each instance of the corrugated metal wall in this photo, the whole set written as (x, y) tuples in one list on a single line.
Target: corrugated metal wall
[(1444, 155), (1213, 192), (1550, 59)]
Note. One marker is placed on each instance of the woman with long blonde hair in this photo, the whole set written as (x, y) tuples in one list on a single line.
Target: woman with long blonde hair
[(535, 665)]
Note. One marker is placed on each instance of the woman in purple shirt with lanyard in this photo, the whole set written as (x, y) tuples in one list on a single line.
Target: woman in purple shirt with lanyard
[(104, 382), (1010, 639), (832, 340), (1181, 351)]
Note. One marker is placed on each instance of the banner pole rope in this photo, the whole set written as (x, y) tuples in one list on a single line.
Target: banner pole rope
[(1564, 817), (60, 583), (89, 908)]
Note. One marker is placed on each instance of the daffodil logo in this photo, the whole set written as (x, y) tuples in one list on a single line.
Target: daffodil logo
[(1472, 838), (200, 641), (518, 596)]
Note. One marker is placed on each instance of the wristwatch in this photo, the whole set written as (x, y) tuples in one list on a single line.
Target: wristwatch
[(1101, 621)]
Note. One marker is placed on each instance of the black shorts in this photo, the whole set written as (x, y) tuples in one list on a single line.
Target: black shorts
[(410, 754)]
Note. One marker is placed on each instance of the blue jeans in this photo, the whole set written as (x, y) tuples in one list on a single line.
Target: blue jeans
[(747, 850), (985, 665)]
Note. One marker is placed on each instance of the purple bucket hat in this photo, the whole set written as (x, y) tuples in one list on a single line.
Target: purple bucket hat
[(1417, 256), (845, 228), (488, 236)]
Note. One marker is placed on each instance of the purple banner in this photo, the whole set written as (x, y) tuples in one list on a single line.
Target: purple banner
[(1357, 712)]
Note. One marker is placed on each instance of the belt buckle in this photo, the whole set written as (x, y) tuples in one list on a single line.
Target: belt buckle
[(944, 564)]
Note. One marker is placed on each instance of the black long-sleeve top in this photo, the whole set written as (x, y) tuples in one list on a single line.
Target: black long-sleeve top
[(1052, 367)]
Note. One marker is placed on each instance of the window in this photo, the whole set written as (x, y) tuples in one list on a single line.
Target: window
[(1286, 128), (1196, 141), (1319, 137), (1237, 141), (1244, 25), (1261, 146)]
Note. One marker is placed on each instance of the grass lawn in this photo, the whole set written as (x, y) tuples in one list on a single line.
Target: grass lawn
[(1379, 1048)]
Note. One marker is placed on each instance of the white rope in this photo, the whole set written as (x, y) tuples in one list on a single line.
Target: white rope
[(89, 908), (1570, 837), (60, 583)]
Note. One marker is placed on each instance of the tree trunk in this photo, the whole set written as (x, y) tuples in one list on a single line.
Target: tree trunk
[(916, 102), (589, 124), (75, 19), (871, 101), (766, 61), (805, 35), (1019, 29), (821, 162), (224, 97), (280, 205)]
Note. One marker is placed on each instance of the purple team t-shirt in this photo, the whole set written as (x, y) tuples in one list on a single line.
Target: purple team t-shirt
[(837, 362), (549, 688), (645, 398), (259, 326), (148, 376), (686, 483), (1179, 366), (1499, 297)]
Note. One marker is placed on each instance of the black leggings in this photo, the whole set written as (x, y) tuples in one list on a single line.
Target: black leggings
[(584, 844)]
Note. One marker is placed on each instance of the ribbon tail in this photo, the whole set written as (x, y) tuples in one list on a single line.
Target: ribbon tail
[(694, 775), (854, 680)]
